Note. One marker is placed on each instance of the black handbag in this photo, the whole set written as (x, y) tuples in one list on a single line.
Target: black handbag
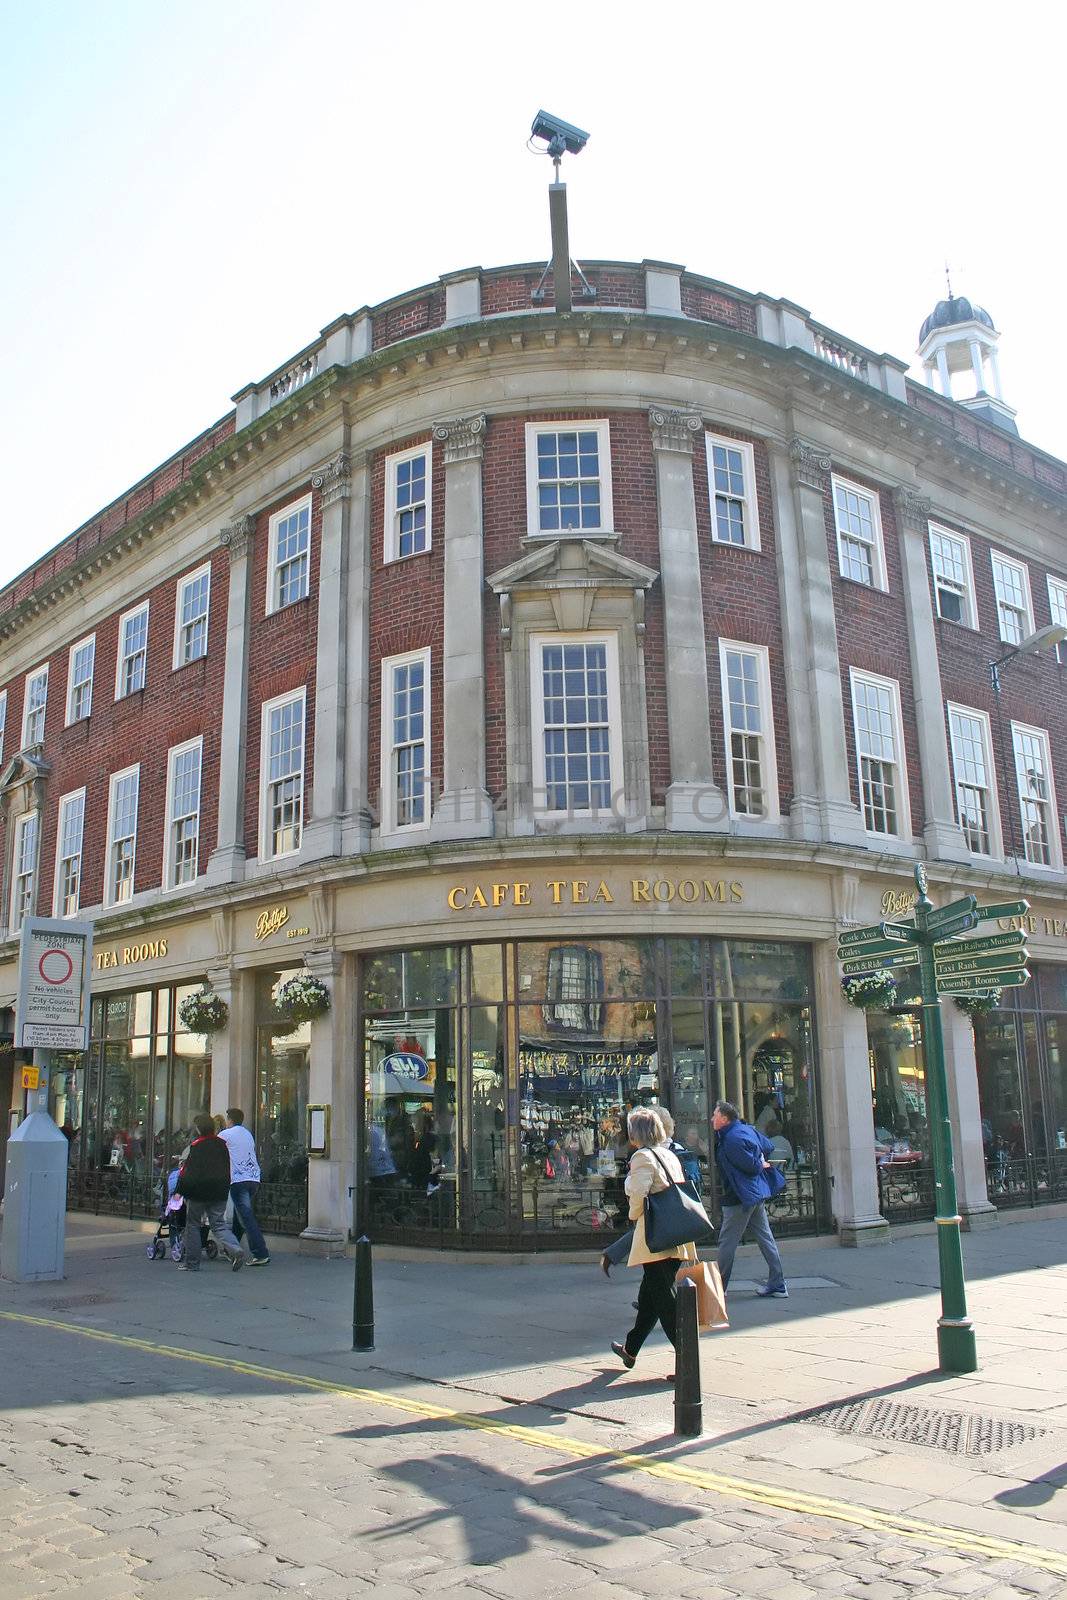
[(675, 1215)]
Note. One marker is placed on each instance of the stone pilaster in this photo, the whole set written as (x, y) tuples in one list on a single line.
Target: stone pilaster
[(694, 801), (840, 820), (322, 835), (942, 833), (356, 820), (227, 860), (330, 1083), (965, 1115), (848, 1119), (233, 1069), (463, 810), (804, 817)]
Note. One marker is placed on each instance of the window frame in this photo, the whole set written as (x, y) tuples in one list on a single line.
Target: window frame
[(203, 571), (389, 810), (616, 748), (1055, 864), (169, 883), (591, 960), (31, 677), (64, 801), (390, 533), (602, 428), (17, 912), (969, 618), (904, 834), (996, 556), (293, 509), (266, 853), (81, 716), (121, 692), (748, 498), (880, 575), (996, 837), (110, 898), (1058, 604), (768, 752)]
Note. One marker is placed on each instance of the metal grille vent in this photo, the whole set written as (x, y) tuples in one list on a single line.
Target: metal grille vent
[(959, 1433)]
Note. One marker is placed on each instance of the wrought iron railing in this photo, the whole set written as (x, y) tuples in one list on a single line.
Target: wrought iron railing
[(906, 1191), (282, 1207)]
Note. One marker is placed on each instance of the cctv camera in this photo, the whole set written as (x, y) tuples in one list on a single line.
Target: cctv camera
[(561, 136)]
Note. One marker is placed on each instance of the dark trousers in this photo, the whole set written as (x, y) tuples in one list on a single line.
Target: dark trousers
[(655, 1303)]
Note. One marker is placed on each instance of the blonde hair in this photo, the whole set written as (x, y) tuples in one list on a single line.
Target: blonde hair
[(667, 1120), (645, 1128)]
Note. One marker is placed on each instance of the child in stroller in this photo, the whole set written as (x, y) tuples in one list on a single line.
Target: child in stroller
[(172, 1224)]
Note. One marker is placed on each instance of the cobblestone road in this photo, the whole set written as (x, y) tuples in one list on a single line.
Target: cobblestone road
[(128, 1473)]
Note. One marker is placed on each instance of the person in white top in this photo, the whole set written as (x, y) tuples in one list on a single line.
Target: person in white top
[(244, 1183)]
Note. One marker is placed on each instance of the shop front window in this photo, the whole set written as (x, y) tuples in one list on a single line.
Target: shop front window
[(282, 1069), (412, 1134)]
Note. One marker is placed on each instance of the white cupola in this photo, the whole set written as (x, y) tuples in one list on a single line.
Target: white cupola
[(958, 346)]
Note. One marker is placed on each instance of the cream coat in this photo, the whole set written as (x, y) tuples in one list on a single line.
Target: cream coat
[(645, 1177)]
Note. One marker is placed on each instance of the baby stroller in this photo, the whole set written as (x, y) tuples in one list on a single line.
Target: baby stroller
[(172, 1226)]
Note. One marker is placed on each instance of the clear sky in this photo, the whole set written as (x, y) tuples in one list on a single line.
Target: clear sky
[(191, 189)]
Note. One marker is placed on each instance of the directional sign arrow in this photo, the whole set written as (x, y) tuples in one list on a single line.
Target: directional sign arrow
[(1005, 908), (958, 908), (963, 923), (973, 947), (878, 930), (906, 958), (999, 961), (876, 947), (982, 982)]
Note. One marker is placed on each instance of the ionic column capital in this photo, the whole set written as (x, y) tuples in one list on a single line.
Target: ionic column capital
[(810, 464), (913, 509), (674, 429), (236, 537), (462, 437), (334, 480)]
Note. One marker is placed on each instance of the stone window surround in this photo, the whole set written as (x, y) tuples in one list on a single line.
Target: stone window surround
[(1054, 823), (999, 558), (31, 678), (769, 754), (265, 853), (273, 603), (109, 874), (751, 505), (602, 428), (72, 683), (970, 607), (616, 765), (202, 571), (881, 576), (392, 834), (64, 801), (996, 837), (121, 692), (176, 750)]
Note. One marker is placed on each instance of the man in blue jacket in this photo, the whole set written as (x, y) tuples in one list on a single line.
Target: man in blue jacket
[(745, 1184)]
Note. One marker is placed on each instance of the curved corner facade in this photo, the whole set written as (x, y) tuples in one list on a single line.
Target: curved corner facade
[(555, 689)]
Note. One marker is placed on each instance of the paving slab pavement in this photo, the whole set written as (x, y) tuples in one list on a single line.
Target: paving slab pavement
[(524, 1348)]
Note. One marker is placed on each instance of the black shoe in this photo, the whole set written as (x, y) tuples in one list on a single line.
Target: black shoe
[(605, 1266), (623, 1354), (238, 1262)]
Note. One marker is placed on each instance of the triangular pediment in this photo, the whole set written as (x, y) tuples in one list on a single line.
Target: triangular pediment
[(565, 563)]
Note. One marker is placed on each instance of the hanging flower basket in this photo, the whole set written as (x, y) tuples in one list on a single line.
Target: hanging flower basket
[(303, 998), (976, 1005), (204, 1012), (870, 991)]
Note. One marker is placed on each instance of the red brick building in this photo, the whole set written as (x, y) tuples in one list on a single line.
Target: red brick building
[(553, 688)]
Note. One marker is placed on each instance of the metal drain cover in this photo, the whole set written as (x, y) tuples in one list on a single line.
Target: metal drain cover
[(960, 1433)]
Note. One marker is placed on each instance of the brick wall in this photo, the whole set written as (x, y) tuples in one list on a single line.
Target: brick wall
[(281, 656), (407, 610), (741, 601), (511, 291), (172, 707), (394, 322), (705, 304)]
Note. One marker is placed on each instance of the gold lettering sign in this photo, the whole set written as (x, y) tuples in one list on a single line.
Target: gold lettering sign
[(594, 892), (898, 903), (130, 955), (269, 922)]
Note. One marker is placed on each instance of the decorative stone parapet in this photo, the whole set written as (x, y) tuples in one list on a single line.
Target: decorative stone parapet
[(462, 437), (673, 429)]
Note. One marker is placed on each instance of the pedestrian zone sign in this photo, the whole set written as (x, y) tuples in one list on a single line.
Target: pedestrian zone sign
[(52, 1008)]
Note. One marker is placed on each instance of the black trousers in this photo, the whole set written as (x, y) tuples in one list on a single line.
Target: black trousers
[(655, 1303)]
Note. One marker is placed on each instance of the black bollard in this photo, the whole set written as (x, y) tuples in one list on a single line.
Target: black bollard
[(688, 1406), (363, 1298)]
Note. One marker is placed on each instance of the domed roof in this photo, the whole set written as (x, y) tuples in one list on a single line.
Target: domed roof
[(947, 313)]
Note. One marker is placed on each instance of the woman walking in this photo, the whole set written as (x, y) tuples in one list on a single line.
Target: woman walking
[(652, 1168)]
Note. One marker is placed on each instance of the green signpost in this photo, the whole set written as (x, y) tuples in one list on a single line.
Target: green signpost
[(967, 967)]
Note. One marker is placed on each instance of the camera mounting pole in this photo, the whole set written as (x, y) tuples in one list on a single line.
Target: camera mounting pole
[(561, 138)]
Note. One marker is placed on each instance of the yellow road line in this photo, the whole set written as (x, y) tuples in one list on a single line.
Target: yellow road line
[(887, 1522)]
